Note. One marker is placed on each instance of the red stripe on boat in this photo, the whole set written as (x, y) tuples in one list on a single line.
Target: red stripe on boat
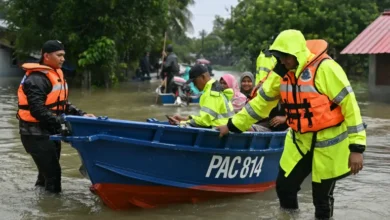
[(121, 196)]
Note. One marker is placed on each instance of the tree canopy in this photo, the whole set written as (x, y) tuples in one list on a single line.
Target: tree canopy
[(254, 22), (98, 35)]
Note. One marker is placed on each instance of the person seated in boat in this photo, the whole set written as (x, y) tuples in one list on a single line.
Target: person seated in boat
[(229, 81), (276, 121), (215, 105), (182, 91), (247, 83), (185, 92)]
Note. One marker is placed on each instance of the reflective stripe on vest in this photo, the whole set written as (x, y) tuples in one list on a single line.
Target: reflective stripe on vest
[(56, 99), (265, 69), (302, 88), (308, 110), (356, 129), (217, 115), (252, 112), (340, 97), (339, 138), (327, 143), (265, 97)]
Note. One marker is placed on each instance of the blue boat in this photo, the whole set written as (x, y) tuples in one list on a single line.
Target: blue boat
[(170, 99), (173, 99), (150, 164)]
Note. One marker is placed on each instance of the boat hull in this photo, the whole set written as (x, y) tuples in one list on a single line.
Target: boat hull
[(123, 197), (146, 165)]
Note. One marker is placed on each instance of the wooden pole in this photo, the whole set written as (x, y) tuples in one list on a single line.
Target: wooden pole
[(162, 62), (162, 66)]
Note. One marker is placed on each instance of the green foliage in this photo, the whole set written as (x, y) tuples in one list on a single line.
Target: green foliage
[(211, 46), (99, 34), (179, 17), (254, 22), (102, 50), (383, 4)]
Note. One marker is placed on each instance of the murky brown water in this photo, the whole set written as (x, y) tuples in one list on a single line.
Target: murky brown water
[(365, 196)]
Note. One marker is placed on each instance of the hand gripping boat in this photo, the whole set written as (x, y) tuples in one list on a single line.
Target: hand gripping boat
[(149, 164)]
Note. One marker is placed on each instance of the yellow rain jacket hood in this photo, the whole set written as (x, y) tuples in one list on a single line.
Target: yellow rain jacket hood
[(294, 43)]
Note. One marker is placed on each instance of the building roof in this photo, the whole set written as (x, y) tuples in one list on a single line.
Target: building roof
[(375, 39)]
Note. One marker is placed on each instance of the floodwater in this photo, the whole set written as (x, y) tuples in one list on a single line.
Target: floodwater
[(365, 196)]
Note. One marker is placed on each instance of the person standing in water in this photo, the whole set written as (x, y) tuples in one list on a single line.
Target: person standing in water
[(327, 136), (42, 98)]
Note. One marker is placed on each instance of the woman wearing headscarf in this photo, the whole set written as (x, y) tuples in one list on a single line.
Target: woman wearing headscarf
[(247, 83), (239, 99)]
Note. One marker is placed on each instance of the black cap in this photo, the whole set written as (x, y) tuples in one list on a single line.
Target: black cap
[(51, 46), (195, 71)]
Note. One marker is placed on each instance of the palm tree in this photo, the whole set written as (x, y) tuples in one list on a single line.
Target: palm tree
[(179, 17)]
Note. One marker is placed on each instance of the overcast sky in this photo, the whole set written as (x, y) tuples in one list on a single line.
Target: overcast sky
[(204, 12)]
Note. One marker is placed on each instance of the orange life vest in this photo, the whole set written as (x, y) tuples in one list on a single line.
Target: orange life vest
[(56, 99), (307, 109)]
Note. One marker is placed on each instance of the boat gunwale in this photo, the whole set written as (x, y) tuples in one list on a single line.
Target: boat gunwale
[(176, 147), (121, 122), (159, 128)]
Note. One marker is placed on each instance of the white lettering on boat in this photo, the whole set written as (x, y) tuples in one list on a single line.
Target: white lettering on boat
[(226, 167)]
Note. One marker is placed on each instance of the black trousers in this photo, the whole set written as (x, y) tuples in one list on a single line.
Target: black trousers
[(169, 82), (46, 155), (287, 189)]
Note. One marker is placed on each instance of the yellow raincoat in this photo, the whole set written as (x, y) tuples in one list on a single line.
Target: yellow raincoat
[(264, 64), (331, 152), (215, 106)]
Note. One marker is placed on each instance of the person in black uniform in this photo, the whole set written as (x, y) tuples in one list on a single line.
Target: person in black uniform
[(42, 98)]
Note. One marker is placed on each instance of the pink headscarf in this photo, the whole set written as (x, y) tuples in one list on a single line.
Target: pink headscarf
[(239, 99)]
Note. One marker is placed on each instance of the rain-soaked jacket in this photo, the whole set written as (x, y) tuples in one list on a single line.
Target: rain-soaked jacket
[(332, 145), (215, 106), (264, 64)]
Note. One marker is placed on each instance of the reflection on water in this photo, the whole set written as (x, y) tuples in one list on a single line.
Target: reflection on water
[(365, 196)]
